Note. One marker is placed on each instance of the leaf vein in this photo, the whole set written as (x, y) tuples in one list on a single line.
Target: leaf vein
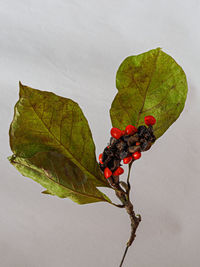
[(145, 95), (162, 100), (78, 163), (48, 177)]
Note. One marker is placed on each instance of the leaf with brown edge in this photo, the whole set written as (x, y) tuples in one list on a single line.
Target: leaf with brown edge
[(151, 83), (45, 123), (60, 176)]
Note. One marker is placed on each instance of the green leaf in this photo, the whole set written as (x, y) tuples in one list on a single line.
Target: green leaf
[(151, 83), (60, 176), (45, 123)]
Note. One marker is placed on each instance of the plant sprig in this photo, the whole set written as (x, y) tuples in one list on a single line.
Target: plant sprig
[(52, 142)]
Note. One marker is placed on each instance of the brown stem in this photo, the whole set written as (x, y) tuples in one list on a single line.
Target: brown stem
[(126, 249), (135, 220)]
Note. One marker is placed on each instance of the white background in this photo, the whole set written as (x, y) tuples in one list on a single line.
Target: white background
[(74, 48)]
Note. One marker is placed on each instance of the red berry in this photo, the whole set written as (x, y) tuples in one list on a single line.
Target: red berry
[(149, 120), (116, 133), (130, 129), (123, 132), (136, 155), (137, 143), (107, 173), (127, 160), (100, 158), (118, 171)]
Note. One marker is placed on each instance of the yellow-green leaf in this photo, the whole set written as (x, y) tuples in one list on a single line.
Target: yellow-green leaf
[(60, 176), (151, 83), (49, 126)]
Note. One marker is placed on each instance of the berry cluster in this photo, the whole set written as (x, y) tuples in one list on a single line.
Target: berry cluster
[(126, 145)]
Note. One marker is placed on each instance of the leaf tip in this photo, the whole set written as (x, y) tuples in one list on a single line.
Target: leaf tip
[(46, 192), (21, 87), (11, 158)]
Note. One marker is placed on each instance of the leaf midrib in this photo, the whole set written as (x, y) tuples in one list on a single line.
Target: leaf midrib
[(43, 173), (150, 80), (58, 141)]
